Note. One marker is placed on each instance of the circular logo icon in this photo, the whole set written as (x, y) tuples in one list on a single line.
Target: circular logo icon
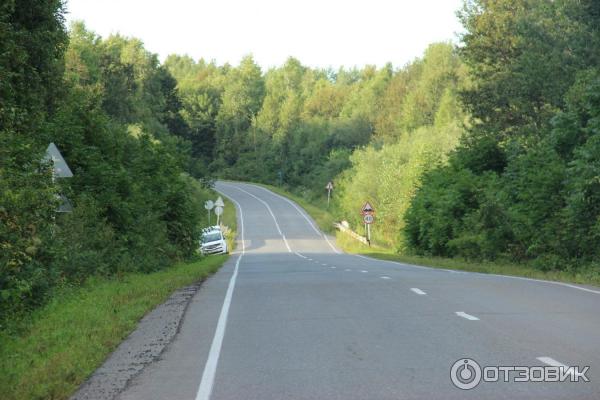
[(465, 374)]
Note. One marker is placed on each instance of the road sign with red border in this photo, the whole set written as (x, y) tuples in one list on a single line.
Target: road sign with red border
[(368, 218), (367, 209)]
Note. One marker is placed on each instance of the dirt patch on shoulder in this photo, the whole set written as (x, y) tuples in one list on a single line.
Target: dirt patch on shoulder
[(142, 347)]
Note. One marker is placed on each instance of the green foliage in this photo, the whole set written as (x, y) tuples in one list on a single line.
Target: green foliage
[(425, 124), (117, 121), (32, 42), (523, 184)]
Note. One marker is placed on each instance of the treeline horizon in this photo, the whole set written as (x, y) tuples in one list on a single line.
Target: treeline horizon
[(485, 150)]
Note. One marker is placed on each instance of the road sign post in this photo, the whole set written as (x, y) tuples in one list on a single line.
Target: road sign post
[(60, 170), (368, 213), (329, 188)]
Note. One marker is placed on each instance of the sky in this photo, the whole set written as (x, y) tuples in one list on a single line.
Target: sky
[(319, 33)]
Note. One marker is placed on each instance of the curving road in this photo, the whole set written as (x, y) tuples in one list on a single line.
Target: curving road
[(290, 316)]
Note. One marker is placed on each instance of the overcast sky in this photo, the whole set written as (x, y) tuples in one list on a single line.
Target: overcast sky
[(320, 33)]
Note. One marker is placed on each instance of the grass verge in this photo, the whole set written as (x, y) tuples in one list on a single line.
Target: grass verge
[(325, 221), (63, 342), (230, 221)]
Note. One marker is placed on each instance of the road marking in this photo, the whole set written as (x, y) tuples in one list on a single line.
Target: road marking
[(299, 255), (303, 215), (333, 267), (272, 215), (210, 368), (393, 262), (483, 274), (550, 361), (364, 271), (309, 259), (418, 291), (347, 270), (543, 281), (467, 316), (553, 363), (385, 277), (323, 264)]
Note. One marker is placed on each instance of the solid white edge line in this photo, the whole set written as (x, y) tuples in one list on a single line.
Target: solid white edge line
[(210, 368), (467, 316), (271, 212), (482, 274), (418, 291), (303, 215), (543, 281)]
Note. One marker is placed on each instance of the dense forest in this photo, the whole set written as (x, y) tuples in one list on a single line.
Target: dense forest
[(484, 150), (114, 113), (487, 149), (368, 129)]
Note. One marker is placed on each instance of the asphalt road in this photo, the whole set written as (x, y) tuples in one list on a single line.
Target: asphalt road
[(291, 317)]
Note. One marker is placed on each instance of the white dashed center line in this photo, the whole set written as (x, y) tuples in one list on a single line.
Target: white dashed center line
[(385, 277), (418, 291), (467, 316)]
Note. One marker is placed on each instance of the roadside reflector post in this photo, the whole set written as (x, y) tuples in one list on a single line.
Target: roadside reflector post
[(209, 205), (219, 204)]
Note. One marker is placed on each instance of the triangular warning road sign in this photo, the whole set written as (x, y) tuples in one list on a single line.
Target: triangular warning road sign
[(59, 165), (367, 208)]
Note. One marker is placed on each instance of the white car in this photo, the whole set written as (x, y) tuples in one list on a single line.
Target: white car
[(213, 241)]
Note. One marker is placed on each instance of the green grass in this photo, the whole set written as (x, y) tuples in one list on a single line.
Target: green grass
[(230, 221), (63, 342), (48, 354)]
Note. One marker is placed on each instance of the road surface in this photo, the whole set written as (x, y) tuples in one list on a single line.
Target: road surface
[(290, 316)]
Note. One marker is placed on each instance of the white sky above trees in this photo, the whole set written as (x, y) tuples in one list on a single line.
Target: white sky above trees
[(320, 33)]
